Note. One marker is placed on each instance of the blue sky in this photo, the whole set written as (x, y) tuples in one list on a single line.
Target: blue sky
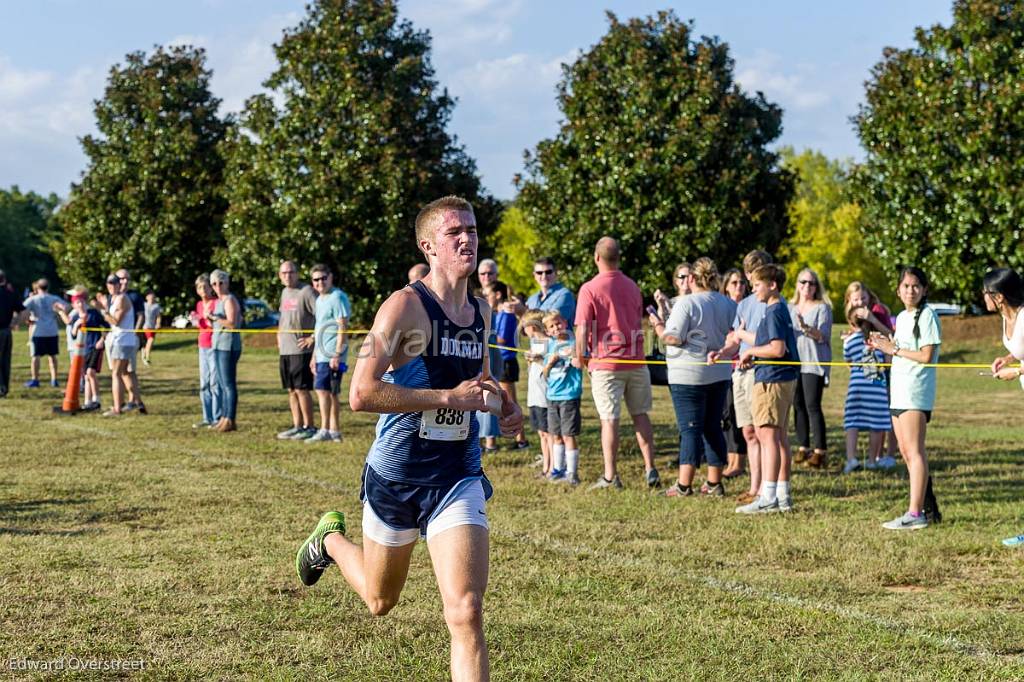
[(501, 58)]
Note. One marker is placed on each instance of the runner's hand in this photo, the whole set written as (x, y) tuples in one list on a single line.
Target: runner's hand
[(998, 364), (469, 395)]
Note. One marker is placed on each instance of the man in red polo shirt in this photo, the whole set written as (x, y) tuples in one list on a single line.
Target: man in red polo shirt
[(608, 328)]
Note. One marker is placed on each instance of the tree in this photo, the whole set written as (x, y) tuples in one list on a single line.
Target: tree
[(27, 226), (944, 138), (516, 245), (339, 171), (150, 199), (827, 229), (660, 148)]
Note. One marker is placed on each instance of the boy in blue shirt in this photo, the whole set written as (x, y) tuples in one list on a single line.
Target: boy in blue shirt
[(774, 388), (565, 386)]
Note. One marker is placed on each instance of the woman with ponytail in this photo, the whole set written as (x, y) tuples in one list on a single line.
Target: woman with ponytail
[(1004, 293), (914, 344)]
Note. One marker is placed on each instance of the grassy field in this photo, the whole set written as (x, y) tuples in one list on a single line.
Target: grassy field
[(140, 539)]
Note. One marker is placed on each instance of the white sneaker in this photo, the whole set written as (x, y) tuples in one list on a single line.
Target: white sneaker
[(907, 522), (319, 437), (785, 504), (759, 506), (851, 466)]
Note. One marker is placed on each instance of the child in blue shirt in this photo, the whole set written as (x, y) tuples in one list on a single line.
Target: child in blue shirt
[(506, 327), (565, 386), (774, 389)]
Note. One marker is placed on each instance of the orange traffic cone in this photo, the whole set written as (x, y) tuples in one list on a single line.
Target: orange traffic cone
[(71, 389)]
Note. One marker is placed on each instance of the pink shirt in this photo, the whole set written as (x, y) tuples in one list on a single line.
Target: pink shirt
[(611, 307), (206, 331)]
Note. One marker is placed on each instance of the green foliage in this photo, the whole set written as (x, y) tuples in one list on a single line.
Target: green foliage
[(661, 149), (517, 244), (27, 227), (943, 131), (338, 173), (150, 199), (826, 228)]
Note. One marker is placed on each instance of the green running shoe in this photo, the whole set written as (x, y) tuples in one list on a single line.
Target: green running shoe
[(312, 559)]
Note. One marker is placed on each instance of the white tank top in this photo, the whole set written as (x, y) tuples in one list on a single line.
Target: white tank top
[(123, 333), (1015, 342)]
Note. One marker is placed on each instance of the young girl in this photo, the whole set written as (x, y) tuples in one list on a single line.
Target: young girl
[(811, 311), (914, 344), (867, 397)]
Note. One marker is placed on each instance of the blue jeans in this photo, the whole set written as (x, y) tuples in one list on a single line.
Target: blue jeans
[(227, 378), (208, 392), (699, 415)]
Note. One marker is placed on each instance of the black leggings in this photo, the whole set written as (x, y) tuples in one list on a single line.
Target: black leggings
[(734, 440), (809, 417)]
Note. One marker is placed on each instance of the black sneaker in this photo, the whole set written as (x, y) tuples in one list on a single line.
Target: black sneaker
[(312, 559)]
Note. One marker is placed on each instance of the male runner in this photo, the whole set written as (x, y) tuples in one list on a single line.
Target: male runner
[(424, 367)]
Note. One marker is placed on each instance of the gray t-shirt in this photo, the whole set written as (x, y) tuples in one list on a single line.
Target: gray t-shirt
[(298, 311), (811, 352), (41, 307), (152, 311), (701, 320)]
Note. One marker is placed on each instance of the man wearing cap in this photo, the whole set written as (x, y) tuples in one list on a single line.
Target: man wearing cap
[(10, 307)]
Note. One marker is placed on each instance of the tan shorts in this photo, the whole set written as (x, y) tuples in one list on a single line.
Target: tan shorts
[(772, 403), (742, 397), (609, 388)]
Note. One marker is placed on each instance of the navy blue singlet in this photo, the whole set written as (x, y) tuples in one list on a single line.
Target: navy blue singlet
[(399, 452)]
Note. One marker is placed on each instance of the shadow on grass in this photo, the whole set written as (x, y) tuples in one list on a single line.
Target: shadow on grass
[(32, 505), (52, 533)]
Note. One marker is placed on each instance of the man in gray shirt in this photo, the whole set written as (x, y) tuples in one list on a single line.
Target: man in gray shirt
[(298, 312)]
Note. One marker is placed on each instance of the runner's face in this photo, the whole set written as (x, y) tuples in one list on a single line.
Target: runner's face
[(455, 243)]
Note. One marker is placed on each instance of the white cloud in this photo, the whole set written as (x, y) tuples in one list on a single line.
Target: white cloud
[(512, 76), (16, 83), (459, 27), (792, 87)]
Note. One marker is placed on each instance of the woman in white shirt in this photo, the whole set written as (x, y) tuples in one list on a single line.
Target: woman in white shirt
[(1004, 293)]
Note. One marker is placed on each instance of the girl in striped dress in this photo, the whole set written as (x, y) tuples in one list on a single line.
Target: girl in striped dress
[(867, 397)]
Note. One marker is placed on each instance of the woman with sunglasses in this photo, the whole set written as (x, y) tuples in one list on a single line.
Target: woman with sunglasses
[(227, 348), (681, 281), (811, 311), (1003, 290), (734, 287)]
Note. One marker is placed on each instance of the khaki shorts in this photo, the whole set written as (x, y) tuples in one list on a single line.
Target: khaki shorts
[(742, 397), (609, 388), (772, 403)]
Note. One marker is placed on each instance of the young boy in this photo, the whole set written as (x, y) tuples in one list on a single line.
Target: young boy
[(152, 313), (536, 384), (565, 386), (774, 388), (82, 315), (505, 325)]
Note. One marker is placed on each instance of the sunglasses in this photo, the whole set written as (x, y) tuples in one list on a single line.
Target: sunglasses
[(321, 279), (549, 271), (806, 281)]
